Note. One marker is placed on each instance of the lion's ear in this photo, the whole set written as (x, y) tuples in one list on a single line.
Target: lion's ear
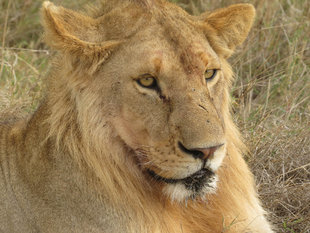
[(228, 27), (72, 32)]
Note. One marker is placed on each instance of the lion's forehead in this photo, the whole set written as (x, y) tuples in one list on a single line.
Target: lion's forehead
[(193, 52), (191, 59), (169, 38)]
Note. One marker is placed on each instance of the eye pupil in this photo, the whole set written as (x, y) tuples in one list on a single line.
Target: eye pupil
[(210, 74), (147, 81)]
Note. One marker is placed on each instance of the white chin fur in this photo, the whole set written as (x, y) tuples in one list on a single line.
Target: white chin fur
[(179, 193)]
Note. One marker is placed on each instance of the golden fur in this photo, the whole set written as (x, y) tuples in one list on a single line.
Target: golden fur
[(82, 161)]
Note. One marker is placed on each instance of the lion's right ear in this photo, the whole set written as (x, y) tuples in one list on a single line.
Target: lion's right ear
[(228, 27), (72, 32)]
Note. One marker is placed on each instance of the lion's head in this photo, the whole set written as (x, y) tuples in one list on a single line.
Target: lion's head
[(161, 79)]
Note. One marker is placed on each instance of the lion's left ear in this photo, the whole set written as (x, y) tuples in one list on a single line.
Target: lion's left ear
[(228, 27)]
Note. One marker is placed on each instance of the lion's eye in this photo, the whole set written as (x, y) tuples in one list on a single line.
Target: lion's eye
[(210, 74), (147, 81)]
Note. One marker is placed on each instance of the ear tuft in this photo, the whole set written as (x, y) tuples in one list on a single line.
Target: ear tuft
[(231, 26), (45, 4), (48, 4), (77, 36), (73, 33), (57, 30)]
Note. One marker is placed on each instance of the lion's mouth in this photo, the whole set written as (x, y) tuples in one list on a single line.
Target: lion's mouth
[(194, 182)]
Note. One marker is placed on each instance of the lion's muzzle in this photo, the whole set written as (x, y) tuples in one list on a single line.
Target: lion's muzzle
[(200, 153)]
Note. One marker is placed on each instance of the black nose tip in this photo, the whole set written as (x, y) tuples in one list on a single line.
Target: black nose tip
[(201, 153)]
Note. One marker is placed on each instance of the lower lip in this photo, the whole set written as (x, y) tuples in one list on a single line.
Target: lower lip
[(197, 175)]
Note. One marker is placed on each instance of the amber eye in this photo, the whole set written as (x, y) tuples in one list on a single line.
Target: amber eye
[(210, 74), (147, 81)]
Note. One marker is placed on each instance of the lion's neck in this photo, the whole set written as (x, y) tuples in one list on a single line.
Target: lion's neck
[(51, 181)]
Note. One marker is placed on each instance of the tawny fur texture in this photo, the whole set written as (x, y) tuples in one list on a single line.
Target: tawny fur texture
[(82, 162)]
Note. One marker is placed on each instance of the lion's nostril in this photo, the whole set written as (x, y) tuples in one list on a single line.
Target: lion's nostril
[(195, 153), (207, 152), (201, 153)]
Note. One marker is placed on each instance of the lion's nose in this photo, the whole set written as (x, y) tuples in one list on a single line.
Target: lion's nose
[(201, 153)]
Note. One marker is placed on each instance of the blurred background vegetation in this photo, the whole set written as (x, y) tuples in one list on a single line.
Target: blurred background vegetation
[(271, 95)]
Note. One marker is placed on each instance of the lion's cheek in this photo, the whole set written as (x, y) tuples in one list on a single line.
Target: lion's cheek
[(132, 132)]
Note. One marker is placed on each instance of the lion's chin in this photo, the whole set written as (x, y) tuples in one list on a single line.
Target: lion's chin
[(193, 187)]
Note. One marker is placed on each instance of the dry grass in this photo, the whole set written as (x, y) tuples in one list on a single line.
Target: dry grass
[(271, 97)]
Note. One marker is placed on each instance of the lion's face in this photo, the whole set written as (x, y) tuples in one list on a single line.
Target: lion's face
[(161, 80), (169, 109)]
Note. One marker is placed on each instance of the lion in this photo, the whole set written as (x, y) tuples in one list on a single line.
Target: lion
[(134, 133)]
